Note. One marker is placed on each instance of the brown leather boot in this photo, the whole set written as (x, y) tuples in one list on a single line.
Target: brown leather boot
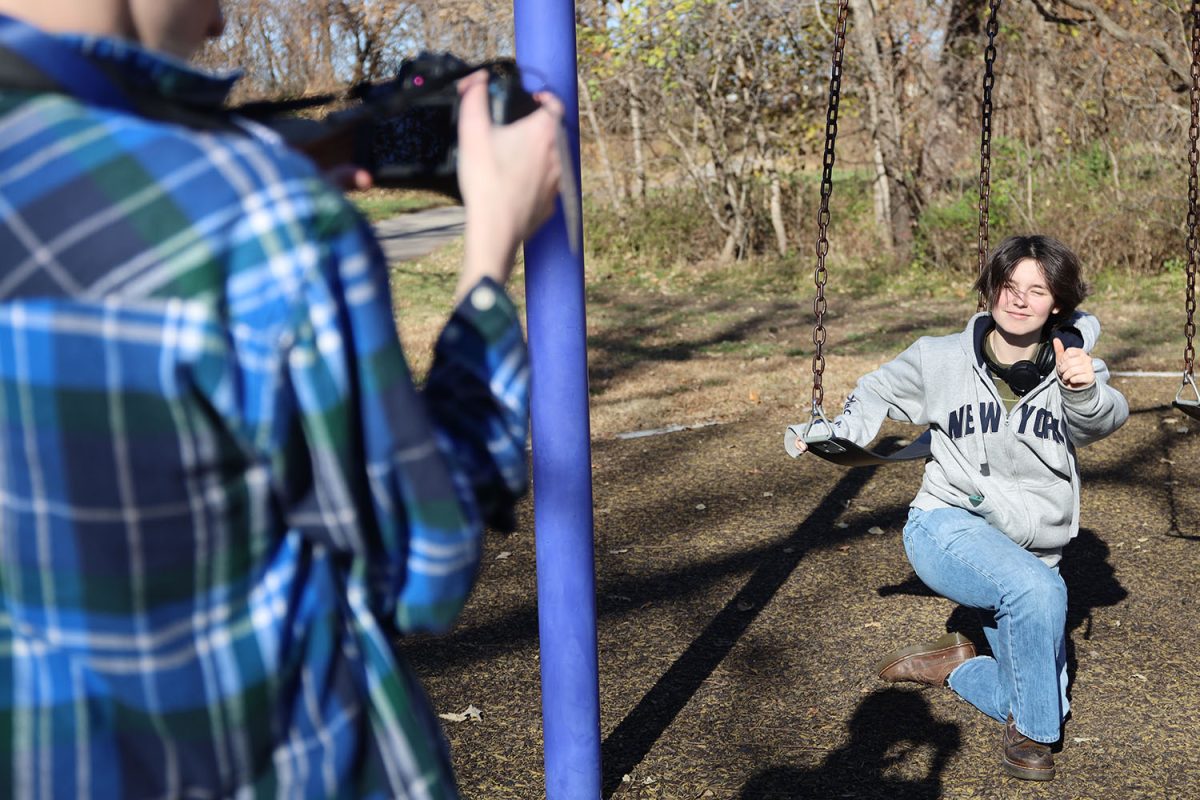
[(927, 663), (1024, 758)]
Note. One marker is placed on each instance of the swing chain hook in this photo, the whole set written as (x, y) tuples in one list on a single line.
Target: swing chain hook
[(821, 274), (985, 143), (1193, 216)]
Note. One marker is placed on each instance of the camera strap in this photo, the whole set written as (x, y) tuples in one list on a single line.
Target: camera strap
[(33, 60)]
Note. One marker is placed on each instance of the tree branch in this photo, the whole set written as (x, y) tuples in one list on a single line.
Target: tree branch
[(1179, 67)]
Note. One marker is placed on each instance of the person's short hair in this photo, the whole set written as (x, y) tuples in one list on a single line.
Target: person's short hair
[(1062, 269)]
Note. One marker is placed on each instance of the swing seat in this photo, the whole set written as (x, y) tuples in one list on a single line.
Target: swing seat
[(1189, 406), (846, 453)]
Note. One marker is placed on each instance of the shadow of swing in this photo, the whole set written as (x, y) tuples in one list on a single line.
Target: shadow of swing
[(629, 743)]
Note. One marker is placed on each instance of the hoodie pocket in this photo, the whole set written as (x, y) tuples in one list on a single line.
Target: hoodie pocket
[(1051, 507), (1005, 516)]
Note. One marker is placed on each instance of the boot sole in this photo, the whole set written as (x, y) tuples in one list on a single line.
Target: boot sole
[(947, 642), (1028, 773)]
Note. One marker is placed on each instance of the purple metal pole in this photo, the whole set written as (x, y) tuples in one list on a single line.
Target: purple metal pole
[(562, 476)]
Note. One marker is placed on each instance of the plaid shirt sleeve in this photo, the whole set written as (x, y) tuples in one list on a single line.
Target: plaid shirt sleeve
[(401, 479)]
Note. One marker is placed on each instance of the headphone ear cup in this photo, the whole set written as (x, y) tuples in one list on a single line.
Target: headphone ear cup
[(1022, 377), (1045, 357)]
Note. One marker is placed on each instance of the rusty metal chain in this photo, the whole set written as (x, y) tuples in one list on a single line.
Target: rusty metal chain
[(821, 275), (1193, 216), (985, 145)]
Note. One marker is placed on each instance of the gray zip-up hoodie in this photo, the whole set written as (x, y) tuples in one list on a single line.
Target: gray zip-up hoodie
[(1015, 469)]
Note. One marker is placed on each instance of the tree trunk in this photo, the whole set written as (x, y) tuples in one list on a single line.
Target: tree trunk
[(884, 120), (954, 90), (883, 194), (636, 133), (610, 181), (775, 186)]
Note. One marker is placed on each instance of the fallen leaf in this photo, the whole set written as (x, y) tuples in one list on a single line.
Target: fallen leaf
[(872, 624), (878, 531), (768, 494), (841, 524), (754, 397), (700, 506), (503, 555), (1139, 676), (470, 713), (743, 605)]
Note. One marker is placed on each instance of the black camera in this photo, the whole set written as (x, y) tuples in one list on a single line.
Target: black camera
[(413, 139), (404, 130)]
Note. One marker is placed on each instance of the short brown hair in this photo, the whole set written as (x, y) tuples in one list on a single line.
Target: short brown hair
[(1062, 269)]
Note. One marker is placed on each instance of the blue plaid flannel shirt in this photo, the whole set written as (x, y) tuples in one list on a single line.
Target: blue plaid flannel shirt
[(221, 496)]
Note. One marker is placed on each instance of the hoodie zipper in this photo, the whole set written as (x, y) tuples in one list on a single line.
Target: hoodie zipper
[(1008, 442)]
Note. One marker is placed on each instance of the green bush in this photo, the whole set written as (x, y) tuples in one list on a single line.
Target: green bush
[(1131, 222), (1128, 221), (671, 227)]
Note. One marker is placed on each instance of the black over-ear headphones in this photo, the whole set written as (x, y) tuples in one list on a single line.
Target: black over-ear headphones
[(1023, 376)]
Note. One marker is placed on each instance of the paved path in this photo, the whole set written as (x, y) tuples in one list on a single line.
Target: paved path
[(413, 235)]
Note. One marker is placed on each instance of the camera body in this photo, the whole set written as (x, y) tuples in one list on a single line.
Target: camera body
[(411, 137)]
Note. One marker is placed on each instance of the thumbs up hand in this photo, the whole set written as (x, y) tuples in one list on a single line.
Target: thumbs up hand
[(1074, 366)]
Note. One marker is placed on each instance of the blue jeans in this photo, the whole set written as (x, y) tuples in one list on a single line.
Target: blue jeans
[(959, 556)]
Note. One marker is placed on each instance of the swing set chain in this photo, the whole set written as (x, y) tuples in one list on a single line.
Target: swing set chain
[(821, 275), (985, 145), (1193, 216)]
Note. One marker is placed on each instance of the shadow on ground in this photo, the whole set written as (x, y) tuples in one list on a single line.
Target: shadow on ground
[(743, 597), (865, 763)]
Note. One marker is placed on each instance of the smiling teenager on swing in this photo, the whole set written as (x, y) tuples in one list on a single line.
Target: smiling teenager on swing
[(1008, 401)]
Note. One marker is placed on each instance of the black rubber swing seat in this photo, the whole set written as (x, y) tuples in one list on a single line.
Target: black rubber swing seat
[(846, 453), (1189, 407)]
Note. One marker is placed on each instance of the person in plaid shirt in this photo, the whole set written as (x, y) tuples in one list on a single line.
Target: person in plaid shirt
[(221, 497)]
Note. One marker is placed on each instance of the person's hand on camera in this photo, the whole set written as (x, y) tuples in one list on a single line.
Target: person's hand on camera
[(508, 176), (350, 178)]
